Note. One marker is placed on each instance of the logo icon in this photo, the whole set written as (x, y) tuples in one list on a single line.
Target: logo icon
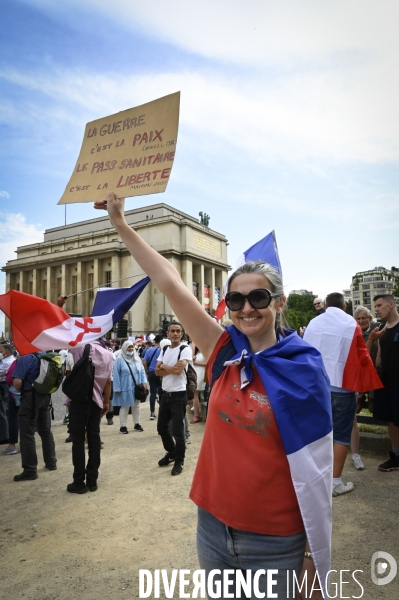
[(383, 568)]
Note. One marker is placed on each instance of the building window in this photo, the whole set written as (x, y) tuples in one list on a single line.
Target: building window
[(108, 278), (30, 287), (59, 286), (366, 286)]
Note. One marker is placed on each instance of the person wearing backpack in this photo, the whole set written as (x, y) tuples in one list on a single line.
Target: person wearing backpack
[(85, 412), (171, 366), (34, 412)]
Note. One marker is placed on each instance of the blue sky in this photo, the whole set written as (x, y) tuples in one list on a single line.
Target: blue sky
[(288, 120)]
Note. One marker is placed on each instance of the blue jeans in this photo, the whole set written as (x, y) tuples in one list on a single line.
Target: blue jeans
[(221, 547), (343, 407)]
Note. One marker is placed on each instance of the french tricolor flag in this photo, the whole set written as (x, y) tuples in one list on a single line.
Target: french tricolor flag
[(297, 386), (339, 340), (266, 250), (38, 324)]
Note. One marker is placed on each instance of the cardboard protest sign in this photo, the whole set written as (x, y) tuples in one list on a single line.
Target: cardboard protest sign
[(130, 153)]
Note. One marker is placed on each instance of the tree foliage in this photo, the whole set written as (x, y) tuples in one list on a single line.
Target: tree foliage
[(300, 310), (349, 308)]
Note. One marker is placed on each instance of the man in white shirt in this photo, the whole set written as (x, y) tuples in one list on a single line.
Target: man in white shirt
[(171, 366)]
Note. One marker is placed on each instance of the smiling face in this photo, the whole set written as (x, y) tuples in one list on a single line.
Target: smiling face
[(258, 324)]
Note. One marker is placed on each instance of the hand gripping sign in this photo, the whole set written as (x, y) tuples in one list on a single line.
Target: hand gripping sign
[(130, 153)]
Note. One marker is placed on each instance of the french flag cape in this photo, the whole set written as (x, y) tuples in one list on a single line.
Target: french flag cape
[(38, 324), (296, 382), (339, 339)]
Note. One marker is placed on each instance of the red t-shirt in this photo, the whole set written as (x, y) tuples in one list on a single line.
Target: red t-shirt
[(242, 475)]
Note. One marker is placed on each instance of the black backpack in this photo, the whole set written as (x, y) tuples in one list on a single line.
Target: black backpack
[(78, 385), (190, 372)]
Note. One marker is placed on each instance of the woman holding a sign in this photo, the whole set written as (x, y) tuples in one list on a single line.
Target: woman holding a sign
[(263, 479)]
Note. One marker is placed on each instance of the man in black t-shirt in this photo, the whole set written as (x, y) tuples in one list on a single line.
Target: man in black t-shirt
[(386, 400)]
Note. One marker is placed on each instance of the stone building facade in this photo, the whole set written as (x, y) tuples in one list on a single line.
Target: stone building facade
[(75, 258)]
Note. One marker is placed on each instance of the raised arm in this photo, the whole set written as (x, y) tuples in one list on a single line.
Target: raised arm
[(205, 330)]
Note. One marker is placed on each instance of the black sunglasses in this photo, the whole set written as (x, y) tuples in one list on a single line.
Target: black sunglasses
[(260, 298)]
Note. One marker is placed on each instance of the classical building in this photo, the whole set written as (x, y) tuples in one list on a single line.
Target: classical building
[(77, 258), (367, 284)]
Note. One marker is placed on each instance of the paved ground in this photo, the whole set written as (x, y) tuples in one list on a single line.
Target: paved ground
[(59, 546)]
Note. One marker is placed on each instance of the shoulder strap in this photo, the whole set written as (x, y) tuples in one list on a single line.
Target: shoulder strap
[(131, 372), (152, 356)]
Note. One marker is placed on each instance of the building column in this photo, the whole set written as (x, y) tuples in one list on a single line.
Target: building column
[(201, 285), (115, 271), (34, 282), (79, 288), (212, 303), (63, 280), (187, 273), (8, 282), (48, 284), (21, 281), (95, 275)]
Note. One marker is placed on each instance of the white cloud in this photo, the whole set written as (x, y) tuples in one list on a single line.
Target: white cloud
[(263, 33), (14, 232), (299, 118), (4, 194)]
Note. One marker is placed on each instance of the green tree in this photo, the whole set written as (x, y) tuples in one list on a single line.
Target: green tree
[(349, 308), (300, 310)]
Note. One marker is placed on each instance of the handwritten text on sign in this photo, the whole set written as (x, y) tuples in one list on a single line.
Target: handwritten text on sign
[(130, 153)]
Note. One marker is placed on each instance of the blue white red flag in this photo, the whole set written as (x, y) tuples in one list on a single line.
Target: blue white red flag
[(120, 300), (302, 407), (339, 339), (37, 324), (266, 250)]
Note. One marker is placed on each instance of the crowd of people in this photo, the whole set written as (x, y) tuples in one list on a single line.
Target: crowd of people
[(273, 393)]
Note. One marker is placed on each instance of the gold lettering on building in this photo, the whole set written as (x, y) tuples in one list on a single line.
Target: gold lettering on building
[(206, 244)]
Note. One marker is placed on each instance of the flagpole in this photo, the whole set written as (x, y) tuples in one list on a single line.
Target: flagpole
[(103, 285)]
